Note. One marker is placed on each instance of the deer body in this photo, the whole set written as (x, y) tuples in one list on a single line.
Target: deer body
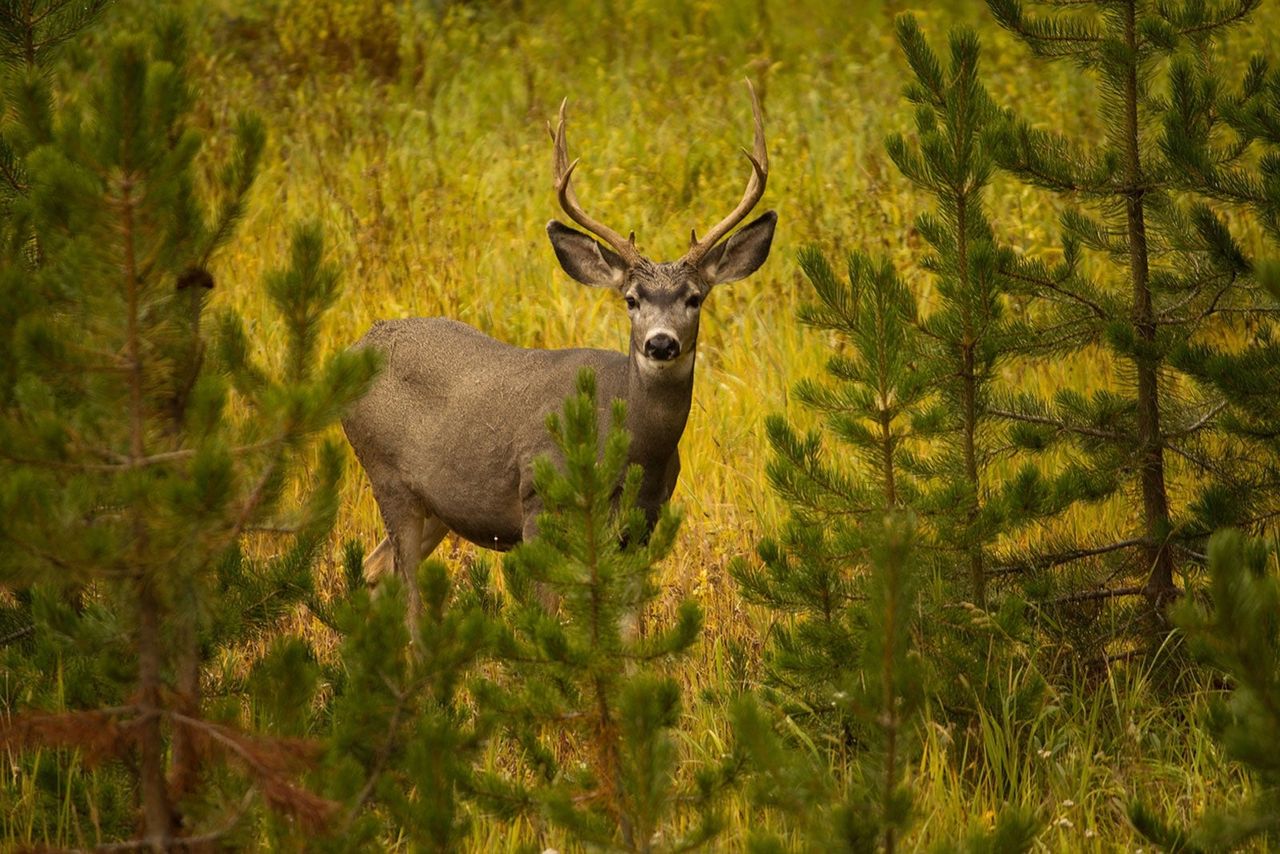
[(400, 435), (449, 431)]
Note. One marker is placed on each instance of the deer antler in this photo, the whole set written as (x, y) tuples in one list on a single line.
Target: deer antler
[(755, 189), (562, 173)]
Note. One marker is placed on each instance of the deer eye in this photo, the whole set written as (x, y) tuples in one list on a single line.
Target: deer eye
[(693, 301), (631, 303)]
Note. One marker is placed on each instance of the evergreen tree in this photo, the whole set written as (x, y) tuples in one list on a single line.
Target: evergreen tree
[(968, 335), (874, 392), (883, 686), (911, 400), (584, 672), (1240, 634), (912, 397), (130, 479), (1167, 272), (402, 737), (1225, 143)]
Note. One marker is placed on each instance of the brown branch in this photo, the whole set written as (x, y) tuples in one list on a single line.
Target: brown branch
[(1198, 423), (132, 463), (1060, 425), (1057, 288), (17, 635), (98, 733), (1066, 557), (270, 762), (1093, 595)]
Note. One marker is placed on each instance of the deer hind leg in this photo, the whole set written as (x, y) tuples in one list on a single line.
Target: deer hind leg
[(379, 562), (382, 559), (412, 534)]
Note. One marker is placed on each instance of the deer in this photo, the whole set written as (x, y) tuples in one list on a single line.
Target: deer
[(448, 432)]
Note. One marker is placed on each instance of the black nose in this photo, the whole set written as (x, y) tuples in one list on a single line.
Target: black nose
[(662, 347)]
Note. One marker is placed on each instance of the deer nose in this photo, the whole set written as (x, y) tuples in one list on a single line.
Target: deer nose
[(662, 347)]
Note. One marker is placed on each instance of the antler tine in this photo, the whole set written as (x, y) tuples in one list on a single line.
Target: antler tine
[(562, 173), (759, 159)]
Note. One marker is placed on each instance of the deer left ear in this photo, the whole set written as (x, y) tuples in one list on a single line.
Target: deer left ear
[(742, 254)]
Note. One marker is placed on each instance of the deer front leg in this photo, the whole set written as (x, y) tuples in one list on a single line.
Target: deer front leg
[(530, 507)]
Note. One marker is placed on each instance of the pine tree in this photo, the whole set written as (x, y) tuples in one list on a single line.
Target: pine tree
[(130, 480), (968, 335), (1240, 634), (402, 737), (909, 406), (873, 393), (912, 397), (585, 673), (883, 686), (1225, 143), (1167, 272)]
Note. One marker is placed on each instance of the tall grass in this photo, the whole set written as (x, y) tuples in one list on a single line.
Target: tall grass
[(414, 131)]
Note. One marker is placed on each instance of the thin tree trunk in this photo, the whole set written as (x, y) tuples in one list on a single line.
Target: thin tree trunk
[(184, 772), (157, 810), (969, 408), (890, 713), (1155, 500), (886, 446)]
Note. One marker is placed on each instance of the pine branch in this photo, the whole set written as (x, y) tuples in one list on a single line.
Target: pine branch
[(381, 757), (1092, 596), (270, 762), (1070, 556), (1061, 426), (1200, 423), (1228, 14), (1018, 274)]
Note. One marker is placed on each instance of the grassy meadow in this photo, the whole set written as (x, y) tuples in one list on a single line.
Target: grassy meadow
[(415, 132)]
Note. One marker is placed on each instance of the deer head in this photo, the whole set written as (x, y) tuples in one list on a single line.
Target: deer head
[(664, 299)]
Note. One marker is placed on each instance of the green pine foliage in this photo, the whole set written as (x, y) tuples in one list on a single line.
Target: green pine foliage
[(1147, 269), (911, 398), (969, 335), (884, 687), (1225, 142), (138, 459), (403, 724), (593, 709), (32, 35), (1238, 633), (874, 392)]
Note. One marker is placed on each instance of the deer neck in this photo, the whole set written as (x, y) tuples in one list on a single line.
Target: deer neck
[(658, 401)]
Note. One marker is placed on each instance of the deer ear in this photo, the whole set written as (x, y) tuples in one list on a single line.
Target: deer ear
[(742, 254), (585, 259)]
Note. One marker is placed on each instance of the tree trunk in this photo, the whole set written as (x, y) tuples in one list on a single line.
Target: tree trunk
[(969, 410), (157, 811), (1155, 500)]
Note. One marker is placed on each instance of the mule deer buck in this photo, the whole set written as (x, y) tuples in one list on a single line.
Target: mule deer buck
[(449, 431)]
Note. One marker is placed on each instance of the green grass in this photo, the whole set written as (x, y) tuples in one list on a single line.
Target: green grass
[(419, 142)]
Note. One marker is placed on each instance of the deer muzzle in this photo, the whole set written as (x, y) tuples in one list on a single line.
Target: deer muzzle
[(662, 347)]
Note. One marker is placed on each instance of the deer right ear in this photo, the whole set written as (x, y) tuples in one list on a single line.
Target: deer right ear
[(585, 259)]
